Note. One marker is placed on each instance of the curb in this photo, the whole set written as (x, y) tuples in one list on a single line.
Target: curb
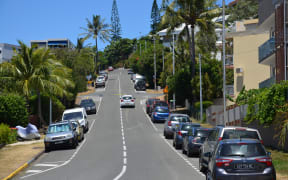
[(23, 166)]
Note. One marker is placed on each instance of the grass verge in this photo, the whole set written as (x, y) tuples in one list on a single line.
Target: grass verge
[(280, 162)]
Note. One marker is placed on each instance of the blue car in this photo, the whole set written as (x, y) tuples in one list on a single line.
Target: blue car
[(160, 114)]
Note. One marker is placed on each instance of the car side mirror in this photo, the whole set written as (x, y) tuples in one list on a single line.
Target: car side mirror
[(268, 153), (208, 154)]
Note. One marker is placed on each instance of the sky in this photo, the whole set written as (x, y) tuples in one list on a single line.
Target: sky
[(27, 20)]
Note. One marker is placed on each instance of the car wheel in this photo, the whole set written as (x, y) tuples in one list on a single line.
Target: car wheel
[(189, 153), (183, 150), (82, 137), (201, 167), (47, 149), (209, 176), (178, 146)]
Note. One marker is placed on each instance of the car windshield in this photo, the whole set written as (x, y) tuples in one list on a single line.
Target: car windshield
[(127, 97), (73, 115), (100, 78), (186, 127), (203, 133), (243, 150), (59, 128), (237, 134), (162, 110), (180, 118)]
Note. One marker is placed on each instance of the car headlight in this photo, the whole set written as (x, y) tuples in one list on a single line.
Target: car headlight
[(69, 136)]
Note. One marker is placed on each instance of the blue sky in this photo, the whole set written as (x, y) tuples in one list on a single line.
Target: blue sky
[(27, 20)]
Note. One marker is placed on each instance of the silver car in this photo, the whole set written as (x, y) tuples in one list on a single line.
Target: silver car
[(100, 81), (59, 135), (172, 122), (127, 101)]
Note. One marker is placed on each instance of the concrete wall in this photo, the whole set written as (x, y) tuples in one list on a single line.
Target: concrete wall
[(245, 53)]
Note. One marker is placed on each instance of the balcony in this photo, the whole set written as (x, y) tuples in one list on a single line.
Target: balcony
[(267, 82), (266, 49)]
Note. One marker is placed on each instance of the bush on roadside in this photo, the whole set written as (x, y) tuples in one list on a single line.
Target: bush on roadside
[(7, 135), (13, 110)]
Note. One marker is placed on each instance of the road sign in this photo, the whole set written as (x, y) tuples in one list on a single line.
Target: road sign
[(165, 90)]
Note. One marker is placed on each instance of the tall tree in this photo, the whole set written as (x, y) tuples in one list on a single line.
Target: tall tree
[(155, 17), (191, 13), (244, 9), (115, 22), (35, 71), (97, 29)]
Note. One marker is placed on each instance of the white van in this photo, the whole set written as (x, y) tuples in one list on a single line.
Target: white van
[(78, 114)]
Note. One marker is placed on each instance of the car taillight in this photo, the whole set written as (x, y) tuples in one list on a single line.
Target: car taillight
[(221, 162), (179, 133), (155, 113), (267, 161), (220, 138), (148, 105), (132, 100), (262, 142), (169, 123), (121, 100)]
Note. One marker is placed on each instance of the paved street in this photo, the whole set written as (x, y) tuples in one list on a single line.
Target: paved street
[(121, 144)]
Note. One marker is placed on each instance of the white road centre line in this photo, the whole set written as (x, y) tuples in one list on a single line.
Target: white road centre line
[(124, 167), (182, 157), (33, 171), (47, 165)]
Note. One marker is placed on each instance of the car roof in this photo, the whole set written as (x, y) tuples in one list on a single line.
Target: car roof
[(100, 77), (242, 140), (80, 109), (239, 127), (61, 122), (178, 114), (161, 107)]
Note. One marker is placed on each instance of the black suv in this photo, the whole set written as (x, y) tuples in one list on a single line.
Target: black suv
[(89, 105), (240, 159), (220, 133)]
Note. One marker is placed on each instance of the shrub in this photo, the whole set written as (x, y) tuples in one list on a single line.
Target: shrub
[(13, 110), (7, 135)]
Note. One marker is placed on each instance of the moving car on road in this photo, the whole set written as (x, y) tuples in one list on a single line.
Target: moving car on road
[(240, 159), (194, 140), (127, 101), (78, 114), (220, 133), (89, 105), (59, 135), (110, 68), (160, 114), (140, 85), (171, 122), (100, 81)]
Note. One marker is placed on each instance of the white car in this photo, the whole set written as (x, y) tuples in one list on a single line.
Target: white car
[(100, 81), (78, 114), (127, 101)]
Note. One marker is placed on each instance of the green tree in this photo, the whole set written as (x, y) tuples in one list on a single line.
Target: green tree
[(36, 71), (115, 22), (244, 9), (155, 17), (97, 29)]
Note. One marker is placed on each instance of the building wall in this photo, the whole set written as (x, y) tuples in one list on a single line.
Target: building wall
[(246, 57), (6, 52), (266, 8)]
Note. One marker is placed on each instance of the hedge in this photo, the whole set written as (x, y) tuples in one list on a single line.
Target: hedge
[(7, 135)]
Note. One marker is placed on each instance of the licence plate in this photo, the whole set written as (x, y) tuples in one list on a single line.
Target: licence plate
[(244, 166), (58, 142)]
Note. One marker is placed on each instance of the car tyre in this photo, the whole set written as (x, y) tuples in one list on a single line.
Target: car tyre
[(209, 176), (183, 150), (47, 149), (189, 153), (201, 167)]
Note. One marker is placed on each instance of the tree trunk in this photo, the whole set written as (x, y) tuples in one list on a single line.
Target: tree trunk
[(42, 122)]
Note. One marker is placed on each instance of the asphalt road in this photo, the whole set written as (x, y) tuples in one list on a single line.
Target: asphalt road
[(121, 144)]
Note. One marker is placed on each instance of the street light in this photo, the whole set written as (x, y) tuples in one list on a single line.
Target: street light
[(154, 77), (174, 98), (223, 58)]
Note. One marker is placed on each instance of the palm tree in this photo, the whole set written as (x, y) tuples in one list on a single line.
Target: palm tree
[(191, 13), (35, 71), (97, 29), (80, 43)]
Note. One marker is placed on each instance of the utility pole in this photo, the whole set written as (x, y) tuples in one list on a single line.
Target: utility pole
[(201, 103), (285, 39), (155, 85), (163, 60), (223, 59), (50, 112), (174, 99)]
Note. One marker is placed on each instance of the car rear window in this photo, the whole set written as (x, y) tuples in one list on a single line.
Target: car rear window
[(203, 133), (162, 110), (127, 97), (161, 104), (180, 118), (186, 127), (242, 149), (73, 115), (237, 134)]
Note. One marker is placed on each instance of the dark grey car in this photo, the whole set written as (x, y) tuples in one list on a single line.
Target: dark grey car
[(239, 159), (181, 132)]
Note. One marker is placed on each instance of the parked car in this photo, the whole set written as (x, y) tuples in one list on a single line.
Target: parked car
[(110, 68), (140, 85), (171, 122), (78, 114), (159, 103), (127, 101), (179, 133), (221, 133), (149, 103), (100, 81), (60, 135), (89, 106), (105, 74), (79, 130), (240, 159), (160, 114), (194, 140)]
